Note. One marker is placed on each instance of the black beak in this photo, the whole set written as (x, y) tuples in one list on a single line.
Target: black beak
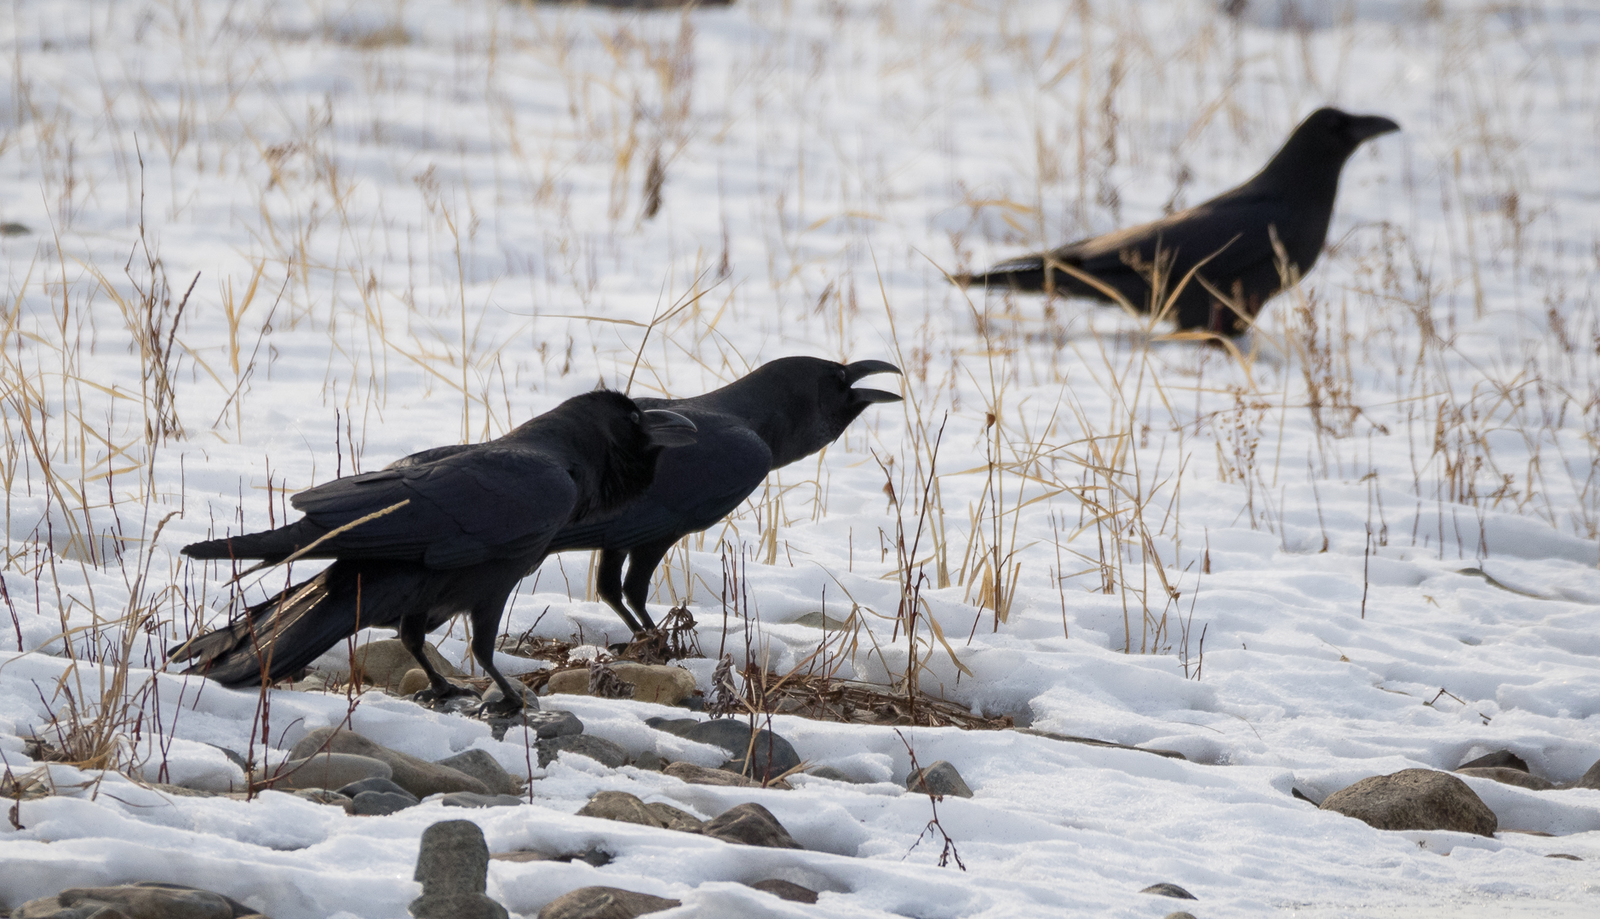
[(854, 372), (668, 429), (1365, 127)]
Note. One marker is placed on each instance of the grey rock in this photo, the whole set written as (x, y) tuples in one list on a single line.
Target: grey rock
[(545, 725), (51, 908), (458, 906), (771, 756), (604, 903), (1169, 890), (752, 825), (415, 775), (1509, 776), (940, 779), (146, 900), (1590, 779), (356, 788), (620, 806), (453, 867), (314, 682), (415, 681), (702, 775), (604, 682), (14, 229), (470, 799), (832, 774), (1497, 759), (1180, 914), (650, 760), (1415, 799), (493, 696), (326, 770), (659, 683), (380, 803), (607, 753), (679, 727), (785, 890), (482, 765), (324, 796), (674, 819), (385, 663)]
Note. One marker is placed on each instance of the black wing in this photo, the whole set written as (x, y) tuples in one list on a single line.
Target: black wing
[(694, 487), (1229, 233), (422, 457), (468, 506)]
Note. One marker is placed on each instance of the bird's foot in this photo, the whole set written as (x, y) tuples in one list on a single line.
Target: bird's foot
[(497, 705), (450, 697), (648, 646), (673, 639)]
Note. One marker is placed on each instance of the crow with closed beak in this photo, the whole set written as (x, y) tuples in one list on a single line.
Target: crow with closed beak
[(1236, 244), (445, 531), (785, 410)]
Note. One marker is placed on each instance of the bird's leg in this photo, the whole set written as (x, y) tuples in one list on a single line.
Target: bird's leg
[(485, 629), (413, 636), (642, 562), (608, 584)]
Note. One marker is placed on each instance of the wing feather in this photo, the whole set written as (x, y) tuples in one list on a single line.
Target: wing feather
[(461, 508), (694, 487)]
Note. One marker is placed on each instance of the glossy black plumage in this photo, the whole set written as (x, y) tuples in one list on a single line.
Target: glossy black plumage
[(445, 531), (783, 411), (1230, 238)]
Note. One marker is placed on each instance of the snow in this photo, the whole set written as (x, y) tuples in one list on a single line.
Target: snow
[(421, 223)]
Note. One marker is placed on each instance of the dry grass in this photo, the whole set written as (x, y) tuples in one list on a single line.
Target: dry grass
[(404, 257)]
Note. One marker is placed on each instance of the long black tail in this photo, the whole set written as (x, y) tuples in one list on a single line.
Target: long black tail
[(281, 635), (1024, 274), (272, 545)]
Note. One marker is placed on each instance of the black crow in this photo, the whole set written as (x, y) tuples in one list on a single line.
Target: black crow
[(1231, 242), (445, 531), (783, 411)]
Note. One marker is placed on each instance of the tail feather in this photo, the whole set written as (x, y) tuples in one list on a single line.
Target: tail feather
[(276, 637), (1024, 273), (272, 545)]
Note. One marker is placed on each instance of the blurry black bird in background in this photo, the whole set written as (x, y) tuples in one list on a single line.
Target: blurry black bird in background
[(445, 531), (1231, 242), (783, 411)]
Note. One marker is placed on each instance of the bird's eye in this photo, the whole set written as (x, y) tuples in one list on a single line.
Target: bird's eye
[(635, 417), (842, 377)]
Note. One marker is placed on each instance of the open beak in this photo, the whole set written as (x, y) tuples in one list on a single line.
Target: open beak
[(668, 429), (854, 372), (1366, 127)]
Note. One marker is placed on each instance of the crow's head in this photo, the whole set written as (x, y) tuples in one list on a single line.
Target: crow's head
[(615, 445), (812, 401), (1334, 134)]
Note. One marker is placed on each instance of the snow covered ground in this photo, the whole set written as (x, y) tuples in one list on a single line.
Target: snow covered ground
[(273, 242)]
